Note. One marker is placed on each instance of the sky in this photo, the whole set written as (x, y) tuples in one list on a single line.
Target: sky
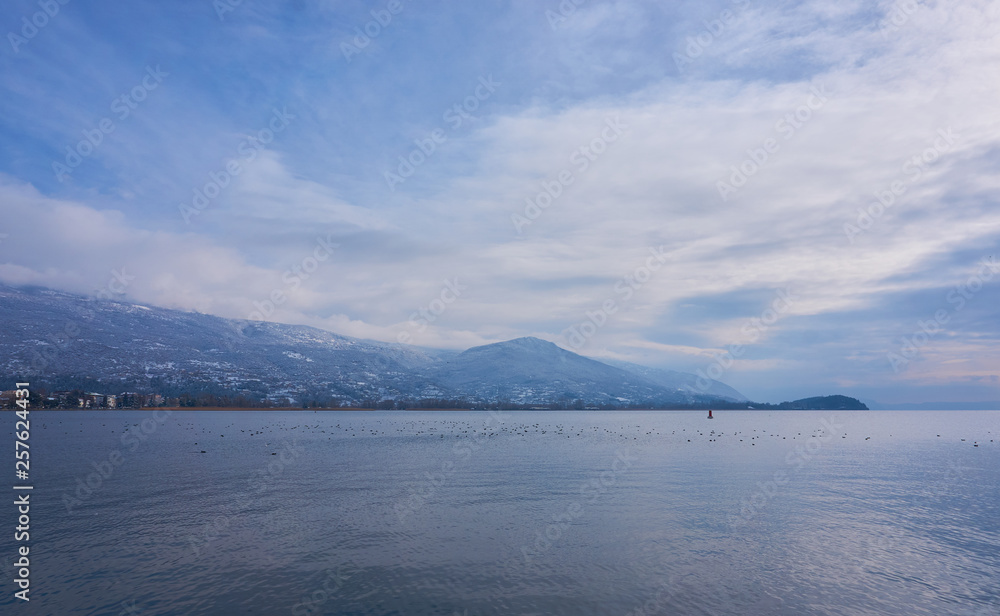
[(795, 197)]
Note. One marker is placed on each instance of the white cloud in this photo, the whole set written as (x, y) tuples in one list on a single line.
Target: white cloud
[(888, 95)]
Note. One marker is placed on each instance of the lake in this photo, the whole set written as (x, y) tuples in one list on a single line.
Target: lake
[(512, 512)]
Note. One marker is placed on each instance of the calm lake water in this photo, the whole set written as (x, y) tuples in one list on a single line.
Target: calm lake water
[(474, 513)]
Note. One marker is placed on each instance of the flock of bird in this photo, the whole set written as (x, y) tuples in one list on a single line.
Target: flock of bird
[(483, 426)]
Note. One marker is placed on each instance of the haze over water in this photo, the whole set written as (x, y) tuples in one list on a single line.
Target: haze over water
[(572, 513)]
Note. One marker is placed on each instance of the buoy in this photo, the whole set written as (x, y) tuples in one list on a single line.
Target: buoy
[(710, 413)]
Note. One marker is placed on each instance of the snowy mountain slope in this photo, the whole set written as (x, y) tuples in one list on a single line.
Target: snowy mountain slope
[(66, 340), (529, 369)]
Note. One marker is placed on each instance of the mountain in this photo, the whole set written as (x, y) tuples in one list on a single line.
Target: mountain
[(529, 369), (682, 381), (822, 403), (65, 341), (73, 341)]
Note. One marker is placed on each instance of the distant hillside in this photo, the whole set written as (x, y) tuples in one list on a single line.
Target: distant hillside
[(69, 341), (820, 403), (65, 341), (529, 369)]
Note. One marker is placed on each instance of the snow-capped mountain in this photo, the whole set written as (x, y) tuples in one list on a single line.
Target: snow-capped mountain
[(528, 369), (64, 341)]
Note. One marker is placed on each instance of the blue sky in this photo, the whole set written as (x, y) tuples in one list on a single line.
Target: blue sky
[(624, 123)]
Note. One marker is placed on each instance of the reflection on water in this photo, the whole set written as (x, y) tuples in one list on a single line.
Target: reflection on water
[(515, 513)]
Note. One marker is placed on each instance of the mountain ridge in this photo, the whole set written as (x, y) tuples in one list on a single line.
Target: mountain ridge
[(66, 339)]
